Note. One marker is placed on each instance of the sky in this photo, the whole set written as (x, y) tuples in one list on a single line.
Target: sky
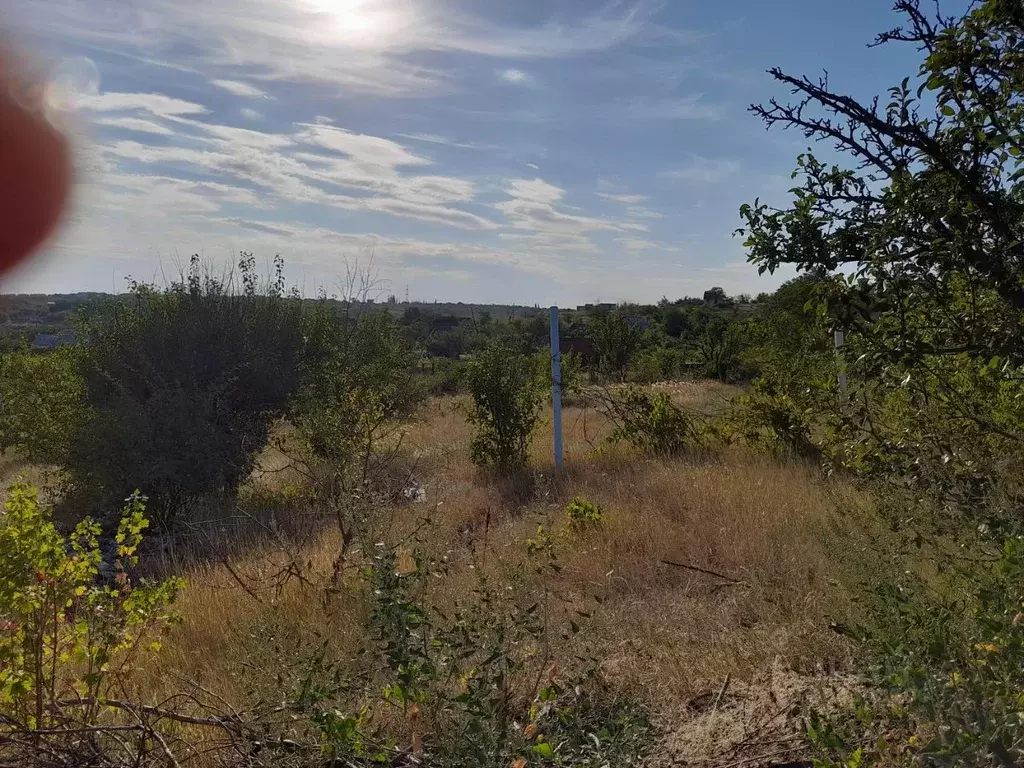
[(530, 152)]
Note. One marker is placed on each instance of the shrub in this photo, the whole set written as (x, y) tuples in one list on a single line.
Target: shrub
[(69, 642), (445, 377), (505, 386), (946, 663), (767, 419), (42, 404), (583, 513), (617, 340), (472, 686), (650, 422), (183, 385)]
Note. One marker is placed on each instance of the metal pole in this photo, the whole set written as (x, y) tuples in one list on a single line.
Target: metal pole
[(840, 339), (556, 389)]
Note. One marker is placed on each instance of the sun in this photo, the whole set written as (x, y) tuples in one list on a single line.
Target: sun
[(368, 23)]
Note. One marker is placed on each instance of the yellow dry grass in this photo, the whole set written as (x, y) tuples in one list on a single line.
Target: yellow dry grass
[(665, 632)]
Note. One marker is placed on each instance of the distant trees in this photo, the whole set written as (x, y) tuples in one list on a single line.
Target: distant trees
[(617, 341), (715, 296)]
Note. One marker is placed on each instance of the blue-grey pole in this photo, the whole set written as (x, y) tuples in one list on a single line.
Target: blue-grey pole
[(556, 390)]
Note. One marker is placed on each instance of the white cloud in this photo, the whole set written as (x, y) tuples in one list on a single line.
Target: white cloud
[(355, 45), (250, 114), (244, 137), (625, 199), (239, 88), (136, 124), (532, 206), (515, 76), (536, 190), (704, 169), (433, 138), (154, 103), (371, 151)]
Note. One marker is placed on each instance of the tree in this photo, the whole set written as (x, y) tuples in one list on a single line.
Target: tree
[(183, 385), (926, 226), (617, 341), (715, 296)]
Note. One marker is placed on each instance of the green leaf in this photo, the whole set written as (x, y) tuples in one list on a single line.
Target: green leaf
[(543, 749), (948, 111)]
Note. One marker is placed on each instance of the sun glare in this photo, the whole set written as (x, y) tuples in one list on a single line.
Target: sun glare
[(357, 22)]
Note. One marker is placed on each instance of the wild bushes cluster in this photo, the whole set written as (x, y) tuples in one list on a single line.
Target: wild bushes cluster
[(914, 250), (74, 625), (176, 391), (649, 421), (469, 686)]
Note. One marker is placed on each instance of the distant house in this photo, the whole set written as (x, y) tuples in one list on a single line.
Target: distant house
[(48, 341)]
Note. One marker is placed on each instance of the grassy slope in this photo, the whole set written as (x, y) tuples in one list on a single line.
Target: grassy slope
[(667, 635)]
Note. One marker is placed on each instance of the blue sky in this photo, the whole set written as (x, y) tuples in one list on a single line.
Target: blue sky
[(536, 151)]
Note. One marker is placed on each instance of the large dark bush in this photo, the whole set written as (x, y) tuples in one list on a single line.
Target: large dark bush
[(183, 385)]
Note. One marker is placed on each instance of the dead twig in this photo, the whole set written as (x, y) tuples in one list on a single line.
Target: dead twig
[(705, 571), (721, 693)]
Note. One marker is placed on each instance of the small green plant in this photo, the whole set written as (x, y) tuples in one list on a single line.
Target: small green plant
[(773, 421), (650, 422), (505, 386), (68, 639), (583, 513), (473, 685)]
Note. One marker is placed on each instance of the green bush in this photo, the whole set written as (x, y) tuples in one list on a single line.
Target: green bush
[(445, 377), (42, 404), (183, 385), (583, 513), (506, 390), (69, 642), (650, 422), (356, 377), (471, 686), (772, 421), (946, 646)]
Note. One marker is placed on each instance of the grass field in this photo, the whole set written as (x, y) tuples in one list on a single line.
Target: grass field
[(708, 583)]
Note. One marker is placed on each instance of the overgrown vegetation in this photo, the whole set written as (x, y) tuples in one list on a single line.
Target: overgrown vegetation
[(499, 618), (924, 224), (504, 385)]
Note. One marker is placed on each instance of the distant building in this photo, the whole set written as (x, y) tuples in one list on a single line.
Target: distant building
[(47, 341), (605, 307)]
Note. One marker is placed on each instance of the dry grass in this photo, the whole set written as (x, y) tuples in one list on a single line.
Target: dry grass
[(666, 634)]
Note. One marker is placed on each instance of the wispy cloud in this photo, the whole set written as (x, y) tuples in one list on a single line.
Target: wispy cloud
[(434, 138), (705, 169), (238, 88), (515, 76), (357, 46), (625, 199), (136, 124), (154, 103)]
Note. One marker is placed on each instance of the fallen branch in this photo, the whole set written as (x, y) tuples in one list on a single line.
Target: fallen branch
[(705, 571), (213, 722)]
